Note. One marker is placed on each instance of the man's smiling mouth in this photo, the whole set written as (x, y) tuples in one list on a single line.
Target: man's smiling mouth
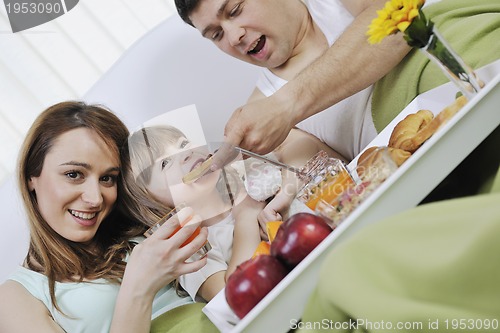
[(257, 45)]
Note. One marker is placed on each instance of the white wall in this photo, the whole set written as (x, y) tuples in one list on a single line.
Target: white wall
[(14, 235), (62, 58), (170, 67)]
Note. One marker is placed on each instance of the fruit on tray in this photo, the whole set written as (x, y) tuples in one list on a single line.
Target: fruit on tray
[(272, 228), (263, 248), (251, 281), (298, 236)]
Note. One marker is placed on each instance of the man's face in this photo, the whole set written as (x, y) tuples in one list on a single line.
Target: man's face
[(260, 32)]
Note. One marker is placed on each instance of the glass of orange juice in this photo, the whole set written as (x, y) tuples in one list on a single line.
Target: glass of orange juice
[(371, 173), (324, 178), (181, 222)]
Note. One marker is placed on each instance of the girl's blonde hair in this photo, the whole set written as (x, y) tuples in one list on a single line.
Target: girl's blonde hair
[(144, 147)]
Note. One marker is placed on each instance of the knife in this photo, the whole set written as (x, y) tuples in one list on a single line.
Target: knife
[(204, 168), (271, 161)]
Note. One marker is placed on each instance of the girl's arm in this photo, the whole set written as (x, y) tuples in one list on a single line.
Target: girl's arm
[(247, 234), (246, 237), (296, 150)]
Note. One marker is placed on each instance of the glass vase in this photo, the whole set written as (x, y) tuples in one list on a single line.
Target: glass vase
[(440, 52)]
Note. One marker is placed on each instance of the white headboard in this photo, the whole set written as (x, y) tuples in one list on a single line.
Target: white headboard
[(170, 67)]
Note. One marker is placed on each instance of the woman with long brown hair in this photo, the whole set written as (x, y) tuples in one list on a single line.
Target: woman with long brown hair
[(87, 268)]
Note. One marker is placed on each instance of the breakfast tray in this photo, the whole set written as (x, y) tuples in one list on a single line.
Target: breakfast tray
[(404, 189)]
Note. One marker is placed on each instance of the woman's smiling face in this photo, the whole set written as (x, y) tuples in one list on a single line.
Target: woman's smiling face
[(166, 183), (77, 187)]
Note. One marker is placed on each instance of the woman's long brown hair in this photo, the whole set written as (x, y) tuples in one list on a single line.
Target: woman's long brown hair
[(49, 253)]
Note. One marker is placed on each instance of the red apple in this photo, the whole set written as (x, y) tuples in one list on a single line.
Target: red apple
[(298, 236), (251, 281)]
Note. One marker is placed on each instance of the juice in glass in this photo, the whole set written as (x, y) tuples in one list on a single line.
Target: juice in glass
[(172, 214), (324, 178), (331, 188)]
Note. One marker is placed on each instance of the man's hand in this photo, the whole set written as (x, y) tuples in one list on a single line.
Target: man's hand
[(258, 126)]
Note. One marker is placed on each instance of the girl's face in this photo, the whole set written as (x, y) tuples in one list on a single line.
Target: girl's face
[(77, 187), (166, 183)]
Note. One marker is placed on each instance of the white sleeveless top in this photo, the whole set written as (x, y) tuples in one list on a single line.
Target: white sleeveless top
[(89, 306), (347, 126)]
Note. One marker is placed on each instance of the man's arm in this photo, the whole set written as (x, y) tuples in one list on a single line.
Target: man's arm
[(349, 66)]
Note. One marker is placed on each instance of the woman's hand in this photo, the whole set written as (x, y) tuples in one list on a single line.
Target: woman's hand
[(154, 263), (160, 259)]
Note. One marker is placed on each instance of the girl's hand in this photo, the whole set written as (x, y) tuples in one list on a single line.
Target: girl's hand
[(268, 214)]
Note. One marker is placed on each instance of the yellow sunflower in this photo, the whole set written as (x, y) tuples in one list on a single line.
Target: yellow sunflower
[(397, 15)]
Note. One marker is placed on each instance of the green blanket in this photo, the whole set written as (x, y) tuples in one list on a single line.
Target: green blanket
[(472, 28), (433, 268), (430, 269), (184, 319)]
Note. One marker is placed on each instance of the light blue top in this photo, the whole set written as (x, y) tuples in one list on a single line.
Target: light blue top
[(89, 306)]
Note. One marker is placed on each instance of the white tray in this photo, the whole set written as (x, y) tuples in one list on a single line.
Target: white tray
[(421, 173)]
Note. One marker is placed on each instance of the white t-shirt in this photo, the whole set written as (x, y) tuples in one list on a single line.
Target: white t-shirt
[(347, 127)]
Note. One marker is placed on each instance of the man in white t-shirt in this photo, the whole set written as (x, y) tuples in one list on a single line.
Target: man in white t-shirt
[(314, 54)]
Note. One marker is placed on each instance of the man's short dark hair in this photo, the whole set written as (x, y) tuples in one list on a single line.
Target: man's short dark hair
[(185, 8)]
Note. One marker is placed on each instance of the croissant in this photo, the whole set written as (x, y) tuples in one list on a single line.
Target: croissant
[(404, 132), (372, 157), (439, 120), (411, 132)]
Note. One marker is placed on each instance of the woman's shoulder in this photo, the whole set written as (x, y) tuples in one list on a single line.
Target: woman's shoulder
[(31, 280), (16, 299), (28, 285), (11, 291)]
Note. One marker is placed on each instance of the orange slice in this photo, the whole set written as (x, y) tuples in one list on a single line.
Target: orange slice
[(262, 248), (272, 228)]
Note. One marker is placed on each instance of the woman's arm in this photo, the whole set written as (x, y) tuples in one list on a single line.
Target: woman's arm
[(21, 312), (154, 263)]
